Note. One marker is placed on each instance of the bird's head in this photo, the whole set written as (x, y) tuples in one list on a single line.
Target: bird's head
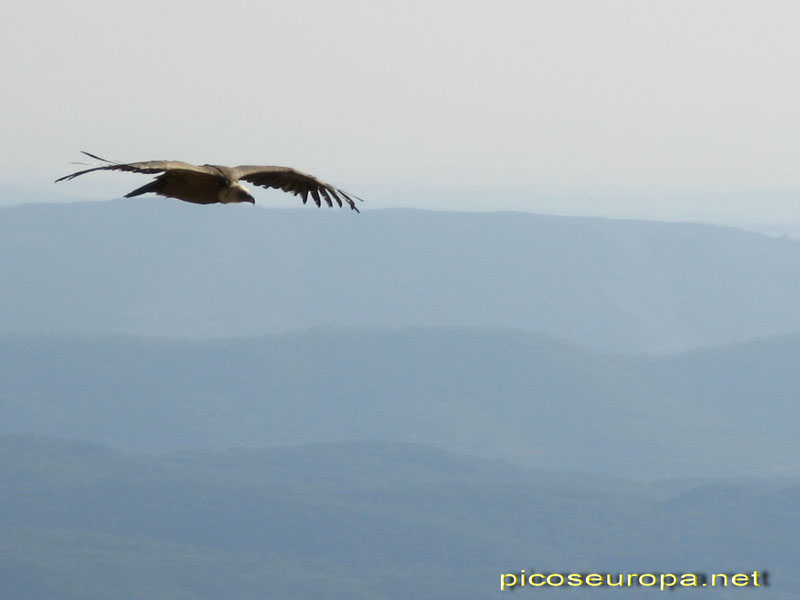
[(236, 193)]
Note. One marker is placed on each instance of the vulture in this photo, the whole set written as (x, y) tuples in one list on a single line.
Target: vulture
[(210, 184)]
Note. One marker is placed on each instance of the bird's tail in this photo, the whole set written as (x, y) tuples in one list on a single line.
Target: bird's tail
[(148, 187)]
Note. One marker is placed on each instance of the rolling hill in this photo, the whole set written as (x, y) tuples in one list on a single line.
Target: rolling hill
[(154, 267), (726, 411), (373, 521)]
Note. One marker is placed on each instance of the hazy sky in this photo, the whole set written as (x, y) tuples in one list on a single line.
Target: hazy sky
[(640, 107)]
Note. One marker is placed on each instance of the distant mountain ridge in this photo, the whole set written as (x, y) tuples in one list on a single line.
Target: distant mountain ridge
[(373, 521), (156, 267), (522, 397)]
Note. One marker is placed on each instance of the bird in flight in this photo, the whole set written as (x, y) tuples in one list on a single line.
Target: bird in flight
[(210, 184)]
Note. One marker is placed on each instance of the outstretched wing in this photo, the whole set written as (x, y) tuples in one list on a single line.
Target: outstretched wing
[(184, 181), (150, 166), (297, 183)]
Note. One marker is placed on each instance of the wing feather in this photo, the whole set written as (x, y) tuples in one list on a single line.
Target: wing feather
[(147, 167), (181, 180), (294, 182), (336, 196)]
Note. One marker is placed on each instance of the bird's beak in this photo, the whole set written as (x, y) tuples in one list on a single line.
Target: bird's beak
[(251, 200)]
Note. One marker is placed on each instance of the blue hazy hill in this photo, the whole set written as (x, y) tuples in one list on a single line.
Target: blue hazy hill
[(725, 411), (165, 268)]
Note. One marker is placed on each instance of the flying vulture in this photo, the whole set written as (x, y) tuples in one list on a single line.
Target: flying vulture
[(209, 184)]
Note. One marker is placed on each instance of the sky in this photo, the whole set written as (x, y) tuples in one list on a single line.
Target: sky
[(654, 109)]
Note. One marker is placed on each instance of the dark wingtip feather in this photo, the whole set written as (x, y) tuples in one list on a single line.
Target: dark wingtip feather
[(74, 175), (327, 197), (350, 200), (94, 156), (335, 196), (83, 172)]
